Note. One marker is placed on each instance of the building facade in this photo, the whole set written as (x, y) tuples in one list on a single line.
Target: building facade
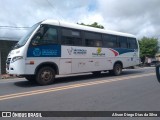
[(5, 47)]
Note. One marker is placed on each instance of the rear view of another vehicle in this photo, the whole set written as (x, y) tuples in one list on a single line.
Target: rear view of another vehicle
[(154, 63)]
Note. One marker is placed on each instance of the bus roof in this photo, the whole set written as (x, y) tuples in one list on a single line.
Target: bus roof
[(86, 28)]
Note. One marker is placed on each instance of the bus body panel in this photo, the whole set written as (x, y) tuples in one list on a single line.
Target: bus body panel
[(32, 63), (77, 59), (65, 66), (18, 66)]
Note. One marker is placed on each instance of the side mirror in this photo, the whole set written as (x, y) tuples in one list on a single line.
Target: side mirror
[(34, 42), (158, 72)]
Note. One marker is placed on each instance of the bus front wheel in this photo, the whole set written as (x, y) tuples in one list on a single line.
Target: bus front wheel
[(117, 69), (45, 76)]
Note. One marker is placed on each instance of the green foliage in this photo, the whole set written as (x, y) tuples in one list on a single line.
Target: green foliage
[(148, 47), (95, 24)]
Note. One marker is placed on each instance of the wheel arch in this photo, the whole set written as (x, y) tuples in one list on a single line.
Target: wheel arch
[(50, 64), (118, 62)]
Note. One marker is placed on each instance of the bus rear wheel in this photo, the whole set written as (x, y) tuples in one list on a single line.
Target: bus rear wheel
[(45, 76), (117, 69)]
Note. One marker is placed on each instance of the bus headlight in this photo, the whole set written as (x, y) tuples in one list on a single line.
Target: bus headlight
[(16, 58)]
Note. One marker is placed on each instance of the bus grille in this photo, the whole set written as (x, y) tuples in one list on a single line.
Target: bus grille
[(8, 63)]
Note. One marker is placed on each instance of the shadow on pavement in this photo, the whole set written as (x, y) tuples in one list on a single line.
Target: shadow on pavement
[(76, 78), (26, 84)]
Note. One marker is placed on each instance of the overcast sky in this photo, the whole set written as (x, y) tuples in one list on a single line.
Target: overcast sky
[(138, 17)]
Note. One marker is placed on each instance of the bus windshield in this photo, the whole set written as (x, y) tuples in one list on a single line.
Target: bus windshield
[(24, 39)]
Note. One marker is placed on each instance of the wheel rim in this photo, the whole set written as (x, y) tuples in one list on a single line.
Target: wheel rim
[(118, 69), (46, 75)]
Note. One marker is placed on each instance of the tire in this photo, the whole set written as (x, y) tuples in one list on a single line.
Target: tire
[(45, 76), (31, 78), (96, 73), (117, 69)]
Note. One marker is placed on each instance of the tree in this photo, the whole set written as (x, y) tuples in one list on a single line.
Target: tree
[(148, 47), (95, 24)]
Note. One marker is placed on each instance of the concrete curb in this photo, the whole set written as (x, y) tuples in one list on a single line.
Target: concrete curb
[(6, 76)]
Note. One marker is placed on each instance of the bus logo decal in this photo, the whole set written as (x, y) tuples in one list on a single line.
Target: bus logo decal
[(98, 53), (116, 53), (37, 52), (76, 51), (70, 51), (120, 51)]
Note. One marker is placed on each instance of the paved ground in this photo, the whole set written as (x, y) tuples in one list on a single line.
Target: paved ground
[(134, 90)]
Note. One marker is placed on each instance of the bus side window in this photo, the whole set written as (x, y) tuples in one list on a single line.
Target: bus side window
[(71, 37), (110, 41), (45, 35), (123, 42), (132, 43), (93, 39), (50, 36)]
